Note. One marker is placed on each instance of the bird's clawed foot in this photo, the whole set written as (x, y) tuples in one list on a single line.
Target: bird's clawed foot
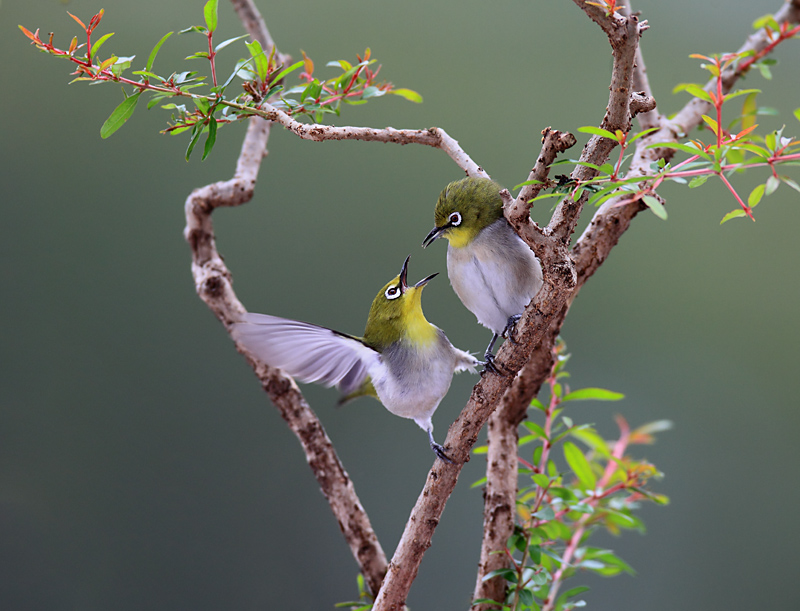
[(489, 364), (511, 324), (439, 451)]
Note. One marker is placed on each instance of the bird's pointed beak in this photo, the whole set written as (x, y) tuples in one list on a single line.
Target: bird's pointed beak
[(404, 275), (425, 281), (436, 232)]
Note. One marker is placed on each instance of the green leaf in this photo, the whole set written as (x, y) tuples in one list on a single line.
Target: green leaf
[(739, 92), (773, 182), (791, 183), (538, 405), (288, 70), (507, 574), (569, 594), (154, 52), (599, 132), (545, 513), (96, 45), (591, 439), (733, 214), (698, 181), (210, 13), (697, 92), (408, 94), (756, 195), (796, 114), (479, 482), (711, 124), (656, 206), (211, 138), (121, 114), (196, 131), (225, 43), (597, 394), (261, 61), (541, 480), (579, 465), (480, 449), (535, 429), (525, 595)]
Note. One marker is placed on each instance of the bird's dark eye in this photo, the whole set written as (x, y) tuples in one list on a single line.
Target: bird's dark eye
[(454, 219), (393, 292)]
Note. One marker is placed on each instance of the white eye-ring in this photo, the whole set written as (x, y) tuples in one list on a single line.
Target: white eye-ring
[(393, 292), (455, 219)]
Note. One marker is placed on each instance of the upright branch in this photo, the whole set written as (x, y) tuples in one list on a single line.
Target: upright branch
[(623, 33), (501, 488)]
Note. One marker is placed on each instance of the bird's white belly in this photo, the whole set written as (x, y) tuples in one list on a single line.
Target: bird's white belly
[(413, 384), (495, 276)]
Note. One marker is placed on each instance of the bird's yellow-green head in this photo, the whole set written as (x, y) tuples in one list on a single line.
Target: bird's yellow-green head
[(465, 207), (396, 314)]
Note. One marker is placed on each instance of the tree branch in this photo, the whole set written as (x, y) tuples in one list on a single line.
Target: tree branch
[(433, 136), (213, 284), (623, 34)]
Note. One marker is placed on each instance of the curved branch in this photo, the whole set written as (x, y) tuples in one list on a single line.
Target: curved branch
[(213, 284), (433, 136)]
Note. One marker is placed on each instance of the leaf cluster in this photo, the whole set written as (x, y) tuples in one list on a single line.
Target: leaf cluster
[(262, 74), (598, 486)]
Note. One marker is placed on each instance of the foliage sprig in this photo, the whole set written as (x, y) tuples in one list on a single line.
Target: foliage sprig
[(264, 79)]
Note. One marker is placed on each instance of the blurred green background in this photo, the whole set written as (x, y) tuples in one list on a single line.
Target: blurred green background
[(141, 466)]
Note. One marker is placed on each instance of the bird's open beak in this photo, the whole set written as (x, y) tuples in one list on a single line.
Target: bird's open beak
[(425, 281), (436, 232), (404, 277)]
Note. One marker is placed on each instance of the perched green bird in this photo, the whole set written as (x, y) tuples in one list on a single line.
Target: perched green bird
[(493, 272), (403, 360)]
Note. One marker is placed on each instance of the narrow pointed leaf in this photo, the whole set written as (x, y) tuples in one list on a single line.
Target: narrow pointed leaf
[(97, 44), (196, 131), (83, 25), (211, 138), (598, 132), (598, 394), (286, 71), (579, 465), (408, 94), (225, 43), (121, 114), (154, 52)]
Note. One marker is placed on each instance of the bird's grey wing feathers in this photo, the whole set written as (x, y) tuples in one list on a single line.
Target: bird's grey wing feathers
[(307, 352)]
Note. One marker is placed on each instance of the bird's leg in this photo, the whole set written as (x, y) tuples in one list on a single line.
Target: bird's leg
[(510, 326), (488, 358), (438, 449)]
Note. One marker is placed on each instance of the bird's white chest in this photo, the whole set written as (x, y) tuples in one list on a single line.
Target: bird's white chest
[(413, 382), (495, 276)]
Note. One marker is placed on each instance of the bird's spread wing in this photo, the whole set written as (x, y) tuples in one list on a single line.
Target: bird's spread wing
[(308, 352)]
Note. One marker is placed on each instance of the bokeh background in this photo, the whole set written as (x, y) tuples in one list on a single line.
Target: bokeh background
[(141, 466)]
